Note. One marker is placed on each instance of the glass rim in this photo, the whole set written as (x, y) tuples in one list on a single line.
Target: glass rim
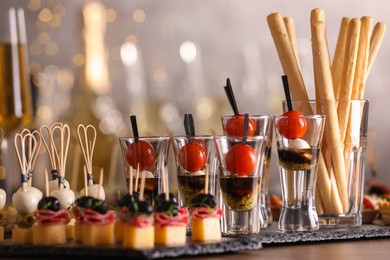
[(177, 137), (364, 100), (247, 138), (250, 116), (146, 138), (315, 116)]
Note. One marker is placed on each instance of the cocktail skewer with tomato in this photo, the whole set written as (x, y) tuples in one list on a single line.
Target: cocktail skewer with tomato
[(192, 156), (294, 125), (241, 158), (140, 154), (235, 124)]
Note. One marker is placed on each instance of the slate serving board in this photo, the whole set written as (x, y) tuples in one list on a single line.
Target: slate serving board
[(267, 237)]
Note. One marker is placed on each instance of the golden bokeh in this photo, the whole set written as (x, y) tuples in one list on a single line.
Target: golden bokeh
[(131, 38), (45, 15), (43, 38), (34, 5), (51, 49), (78, 59), (160, 75), (111, 15), (139, 16)]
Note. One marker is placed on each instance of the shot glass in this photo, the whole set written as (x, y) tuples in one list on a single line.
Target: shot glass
[(298, 140), (341, 166), (259, 125), (194, 157), (149, 156), (241, 161)]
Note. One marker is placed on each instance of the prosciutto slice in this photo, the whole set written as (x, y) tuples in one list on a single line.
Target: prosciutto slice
[(46, 217), (163, 220), (203, 212), (90, 216)]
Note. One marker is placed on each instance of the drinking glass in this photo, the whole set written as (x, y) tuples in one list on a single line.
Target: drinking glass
[(241, 161), (341, 166), (298, 140), (262, 126), (149, 156)]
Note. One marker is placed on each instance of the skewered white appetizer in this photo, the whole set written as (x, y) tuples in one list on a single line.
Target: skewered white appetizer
[(87, 139), (65, 196), (25, 199)]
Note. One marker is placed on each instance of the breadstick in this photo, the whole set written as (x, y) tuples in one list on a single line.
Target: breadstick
[(338, 59), (325, 86), (375, 42), (362, 58), (347, 76), (287, 58), (316, 15), (331, 203), (290, 26)]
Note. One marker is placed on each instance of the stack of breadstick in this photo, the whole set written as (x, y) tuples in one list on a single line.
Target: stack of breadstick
[(338, 81)]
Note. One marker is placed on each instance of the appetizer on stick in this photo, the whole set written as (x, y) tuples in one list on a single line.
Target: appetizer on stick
[(205, 216), (26, 198), (87, 139), (48, 141), (51, 219), (170, 221)]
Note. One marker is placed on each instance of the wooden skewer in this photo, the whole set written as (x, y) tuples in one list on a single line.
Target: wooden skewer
[(375, 42), (87, 140), (22, 152), (61, 153), (100, 182), (85, 184), (131, 181), (339, 57), (49, 144), (47, 184), (136, 178), (206, 180), (165, 184), (290, 26), (142, 188)]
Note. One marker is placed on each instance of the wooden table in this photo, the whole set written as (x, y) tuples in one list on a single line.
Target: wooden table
[(374, 249)]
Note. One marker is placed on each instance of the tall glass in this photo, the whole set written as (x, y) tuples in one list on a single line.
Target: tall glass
[(15, 90), (298, 140), (262, 126), (195, 157), (149, 156), (341, 166), (242, 161)]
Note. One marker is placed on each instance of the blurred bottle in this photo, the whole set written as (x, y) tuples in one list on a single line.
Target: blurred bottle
[(92, 104)]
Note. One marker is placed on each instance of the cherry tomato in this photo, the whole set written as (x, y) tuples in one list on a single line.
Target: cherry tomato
[(293, 127), (235, 126), (141, 153), (241, 159), (192, 157)]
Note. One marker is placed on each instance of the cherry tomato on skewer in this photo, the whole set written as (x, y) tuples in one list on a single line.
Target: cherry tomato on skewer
[(141, 153), (293, 127), (241, 159), (235, 125), (192, 157)]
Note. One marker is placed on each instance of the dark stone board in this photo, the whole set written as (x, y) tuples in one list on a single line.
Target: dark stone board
[(267, 237)]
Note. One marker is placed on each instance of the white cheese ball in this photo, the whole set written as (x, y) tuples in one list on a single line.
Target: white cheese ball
[(148, 174), (197, 173), (298, 144), (26, 201), (93, 191), (65, 196), (3, 197), (53, 185)]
